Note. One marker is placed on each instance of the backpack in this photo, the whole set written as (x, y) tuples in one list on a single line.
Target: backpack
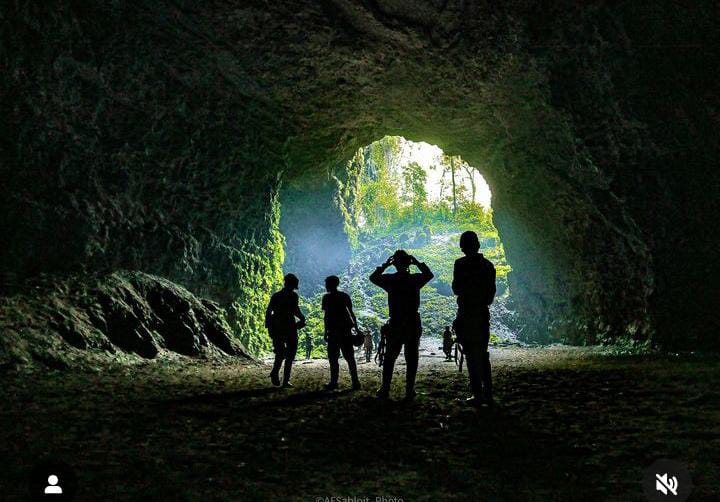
[(358, 339)]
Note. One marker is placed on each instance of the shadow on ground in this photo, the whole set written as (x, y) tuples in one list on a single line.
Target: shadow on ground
[(571, 424)]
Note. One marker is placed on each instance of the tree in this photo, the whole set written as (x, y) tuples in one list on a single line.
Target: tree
[(414, 178), (450, 163), (471, 174), (454, 187)]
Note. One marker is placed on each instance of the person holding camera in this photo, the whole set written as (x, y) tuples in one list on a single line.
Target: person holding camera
[(404, 327)]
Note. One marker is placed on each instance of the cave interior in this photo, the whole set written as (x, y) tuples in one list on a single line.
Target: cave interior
[(155, 157)]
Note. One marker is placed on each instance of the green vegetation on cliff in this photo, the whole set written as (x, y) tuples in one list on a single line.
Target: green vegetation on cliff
[(399, 194)]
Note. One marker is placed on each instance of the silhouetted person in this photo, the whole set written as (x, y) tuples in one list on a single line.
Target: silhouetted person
[(280, 322), (339, 322), (368, 346), (474, 285), (308, 345), (403, 290), (447, 343)]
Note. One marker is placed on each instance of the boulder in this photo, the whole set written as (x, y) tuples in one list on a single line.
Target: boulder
[(130, 313)]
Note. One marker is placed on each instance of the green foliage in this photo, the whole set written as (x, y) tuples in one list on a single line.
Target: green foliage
[(626, 346), (315, 327), (414, 178), (385, 212), (375, 202), (258, 266), (370, 322)]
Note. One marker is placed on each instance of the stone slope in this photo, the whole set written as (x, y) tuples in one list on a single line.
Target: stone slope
[(124, 315)]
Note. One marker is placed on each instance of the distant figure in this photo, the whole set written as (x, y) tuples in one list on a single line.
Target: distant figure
[(474, 285), (308, 345), (368, 346), (339, 322), (447, 343), (403, 290), (280, 322)]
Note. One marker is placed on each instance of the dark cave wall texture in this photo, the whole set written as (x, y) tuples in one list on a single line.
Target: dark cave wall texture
[(156, 136)]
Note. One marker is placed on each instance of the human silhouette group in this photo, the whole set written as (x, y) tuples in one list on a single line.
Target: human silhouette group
[(473, 284)]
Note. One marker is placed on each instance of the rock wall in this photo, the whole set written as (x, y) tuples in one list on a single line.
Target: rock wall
[(154, 135), (123, 316), (127, 146)]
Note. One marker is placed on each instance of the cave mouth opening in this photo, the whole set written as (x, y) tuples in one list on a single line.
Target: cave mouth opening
[(394, 194)]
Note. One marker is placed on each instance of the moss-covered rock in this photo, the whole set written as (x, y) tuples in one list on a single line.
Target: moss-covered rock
[(121, 315)]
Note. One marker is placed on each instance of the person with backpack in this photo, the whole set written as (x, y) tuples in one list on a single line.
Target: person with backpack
[(474, 284), (339, 322)]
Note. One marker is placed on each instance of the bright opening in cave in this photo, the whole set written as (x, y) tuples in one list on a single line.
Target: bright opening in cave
[(440, 171), (398, 194)]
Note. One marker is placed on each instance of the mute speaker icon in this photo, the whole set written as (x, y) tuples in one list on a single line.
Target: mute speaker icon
[(666, 483)]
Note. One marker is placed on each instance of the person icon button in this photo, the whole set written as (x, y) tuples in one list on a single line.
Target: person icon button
[(52, 479), (53, 488)]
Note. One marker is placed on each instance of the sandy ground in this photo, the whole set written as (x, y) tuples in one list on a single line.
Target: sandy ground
[(570, 424)]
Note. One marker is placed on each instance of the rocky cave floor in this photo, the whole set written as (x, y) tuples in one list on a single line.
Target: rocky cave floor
[(570, 424)]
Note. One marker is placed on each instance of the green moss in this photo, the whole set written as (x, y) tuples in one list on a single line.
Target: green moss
[(259, 272)]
